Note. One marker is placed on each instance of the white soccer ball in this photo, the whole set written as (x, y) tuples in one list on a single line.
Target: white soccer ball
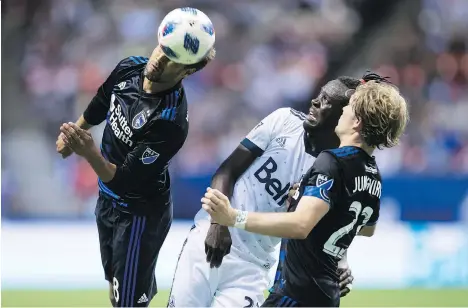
[(186, 35)]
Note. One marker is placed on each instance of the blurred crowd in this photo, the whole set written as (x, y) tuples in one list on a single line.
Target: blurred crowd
[(429, 62), (269, 56)]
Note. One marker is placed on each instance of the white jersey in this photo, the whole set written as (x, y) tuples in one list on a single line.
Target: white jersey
[(279, 142)]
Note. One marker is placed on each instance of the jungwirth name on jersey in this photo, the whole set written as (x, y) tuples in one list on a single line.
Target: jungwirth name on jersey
[(363, 183), (118, 123)]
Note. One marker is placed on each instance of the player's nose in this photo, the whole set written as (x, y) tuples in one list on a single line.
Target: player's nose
[(315, 103)]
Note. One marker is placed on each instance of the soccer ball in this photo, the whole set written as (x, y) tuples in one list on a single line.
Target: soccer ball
[(186, 35)]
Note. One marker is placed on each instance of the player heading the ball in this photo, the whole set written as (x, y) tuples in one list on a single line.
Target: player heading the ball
[(144, 105)]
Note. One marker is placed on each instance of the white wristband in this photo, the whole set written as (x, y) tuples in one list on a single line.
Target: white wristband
[(241, 219)]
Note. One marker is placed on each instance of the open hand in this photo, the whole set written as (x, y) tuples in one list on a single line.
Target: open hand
[(346, 280)]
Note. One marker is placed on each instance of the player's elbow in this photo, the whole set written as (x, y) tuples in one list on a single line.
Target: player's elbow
[(302, 231)]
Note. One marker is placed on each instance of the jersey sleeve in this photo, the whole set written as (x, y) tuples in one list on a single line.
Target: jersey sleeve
[(324, 180), (150, 156), (261, 135), (375, 216), (97, 109)]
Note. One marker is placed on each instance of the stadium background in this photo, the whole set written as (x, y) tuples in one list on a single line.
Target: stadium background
[(271, 54)]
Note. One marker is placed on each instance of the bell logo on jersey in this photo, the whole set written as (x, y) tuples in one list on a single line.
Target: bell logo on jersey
[(149, 156), (273, 186), (118, 122)]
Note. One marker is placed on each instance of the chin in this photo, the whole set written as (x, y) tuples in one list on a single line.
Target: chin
[(309, 126)]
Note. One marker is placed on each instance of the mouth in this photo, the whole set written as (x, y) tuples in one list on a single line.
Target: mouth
[(155, 68), (153, 72), (312, 116)]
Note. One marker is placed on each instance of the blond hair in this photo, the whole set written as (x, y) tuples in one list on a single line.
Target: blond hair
[(383, 112)]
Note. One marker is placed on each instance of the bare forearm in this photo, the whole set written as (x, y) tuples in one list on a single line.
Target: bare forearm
[(81, 122), (104, 169), (367, 231), (283, 225), (224, 183)]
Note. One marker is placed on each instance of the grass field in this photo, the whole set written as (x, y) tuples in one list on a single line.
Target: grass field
[(358, 298)]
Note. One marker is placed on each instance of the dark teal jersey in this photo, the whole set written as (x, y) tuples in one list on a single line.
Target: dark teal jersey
[(143, 132)]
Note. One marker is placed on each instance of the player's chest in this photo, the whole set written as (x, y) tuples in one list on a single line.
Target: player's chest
[(286, 155), (279, 168), (128, 113)]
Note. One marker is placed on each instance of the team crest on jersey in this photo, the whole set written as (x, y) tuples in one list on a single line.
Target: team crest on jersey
[(149, 156), (139, 120), (324, 184), (281, 141)]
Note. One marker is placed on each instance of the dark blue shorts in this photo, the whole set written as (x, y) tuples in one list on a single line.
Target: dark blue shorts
[(130, 246)]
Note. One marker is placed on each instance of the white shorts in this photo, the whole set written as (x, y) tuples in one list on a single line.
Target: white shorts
[(236, 283)]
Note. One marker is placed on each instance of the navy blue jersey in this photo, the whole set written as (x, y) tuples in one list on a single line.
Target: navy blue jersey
[(142, 133), (349, 181)]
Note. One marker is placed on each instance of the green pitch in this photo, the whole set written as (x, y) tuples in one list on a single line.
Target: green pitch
[(358, 298)]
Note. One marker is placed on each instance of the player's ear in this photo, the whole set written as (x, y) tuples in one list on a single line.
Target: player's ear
[(188, 72), (357, 124)]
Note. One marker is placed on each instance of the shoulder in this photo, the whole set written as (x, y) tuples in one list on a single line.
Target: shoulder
[(343, 152), (130, 64), (287, 116), (298, 115), (288, 112), (326, 160), (133, 61)]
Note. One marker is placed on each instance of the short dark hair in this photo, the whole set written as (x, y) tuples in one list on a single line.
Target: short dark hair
[(352, 83)]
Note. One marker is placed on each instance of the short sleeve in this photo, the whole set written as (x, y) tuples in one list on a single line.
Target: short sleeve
[(261, 135), (323, 179), (374, 217)]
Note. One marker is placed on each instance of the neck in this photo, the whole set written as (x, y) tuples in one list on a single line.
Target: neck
[(322, 141), (356, 142), (151, 87)]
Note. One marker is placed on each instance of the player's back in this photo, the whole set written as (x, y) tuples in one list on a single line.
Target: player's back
[(354, 202)]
